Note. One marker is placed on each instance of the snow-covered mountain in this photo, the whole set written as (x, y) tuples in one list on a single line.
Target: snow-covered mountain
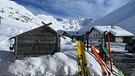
[(75, 23), (20, 18), (12, 12)]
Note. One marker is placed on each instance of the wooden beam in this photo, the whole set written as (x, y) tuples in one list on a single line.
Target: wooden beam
[(45, 23)]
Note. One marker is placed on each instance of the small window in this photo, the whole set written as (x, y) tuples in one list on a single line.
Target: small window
[(96, 35)]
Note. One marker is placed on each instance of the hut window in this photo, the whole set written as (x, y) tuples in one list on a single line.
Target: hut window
[(96, 35)]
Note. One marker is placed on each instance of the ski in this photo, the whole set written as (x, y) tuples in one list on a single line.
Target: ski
[(82, 63), (104, 68), (121, 73), (105, 50)]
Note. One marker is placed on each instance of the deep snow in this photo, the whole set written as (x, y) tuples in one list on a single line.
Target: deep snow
[(61, 63)]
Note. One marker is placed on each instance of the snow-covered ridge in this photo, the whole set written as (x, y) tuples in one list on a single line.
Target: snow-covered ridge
[(77, 23), (9, 10), (12, 12)]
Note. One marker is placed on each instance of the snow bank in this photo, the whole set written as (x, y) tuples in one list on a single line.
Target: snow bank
[(117, 47), (43, 66), (61, 63)]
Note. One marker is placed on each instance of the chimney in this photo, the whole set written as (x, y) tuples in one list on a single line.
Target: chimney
[(112, 27)]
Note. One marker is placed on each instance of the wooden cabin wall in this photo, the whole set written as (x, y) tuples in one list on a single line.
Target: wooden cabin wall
[(36, 43)]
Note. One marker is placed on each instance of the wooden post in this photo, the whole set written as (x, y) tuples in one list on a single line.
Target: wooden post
[(15, 49), (0, 20), (108, 36), (104, 34), (87, 38), (59, 43)]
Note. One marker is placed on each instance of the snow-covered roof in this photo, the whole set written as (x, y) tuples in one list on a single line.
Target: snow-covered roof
[(75, 33), (45, 25), (61, 31), (72, 33), (115, 30)]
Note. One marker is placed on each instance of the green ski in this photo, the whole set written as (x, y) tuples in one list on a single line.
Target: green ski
[(120, 72), (105, 50)]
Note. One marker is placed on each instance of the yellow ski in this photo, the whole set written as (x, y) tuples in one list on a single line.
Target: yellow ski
[(82, 63)]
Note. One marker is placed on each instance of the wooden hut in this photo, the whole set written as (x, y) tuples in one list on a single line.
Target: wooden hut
[(39, 41)]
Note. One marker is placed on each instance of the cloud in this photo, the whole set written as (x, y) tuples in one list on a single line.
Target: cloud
[(73, 8)]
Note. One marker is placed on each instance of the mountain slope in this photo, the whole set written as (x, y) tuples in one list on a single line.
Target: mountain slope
[(123, 17), (17, 15), (118, 15)]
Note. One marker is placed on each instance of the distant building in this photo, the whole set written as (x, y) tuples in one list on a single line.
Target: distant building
[(64, 33), (39, 41), (116, 33), (74, 35)]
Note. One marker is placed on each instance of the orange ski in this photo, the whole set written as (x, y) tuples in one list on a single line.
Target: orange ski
[(104, 68)]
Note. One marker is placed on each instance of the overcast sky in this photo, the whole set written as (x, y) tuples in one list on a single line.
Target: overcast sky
[(72, 8)]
